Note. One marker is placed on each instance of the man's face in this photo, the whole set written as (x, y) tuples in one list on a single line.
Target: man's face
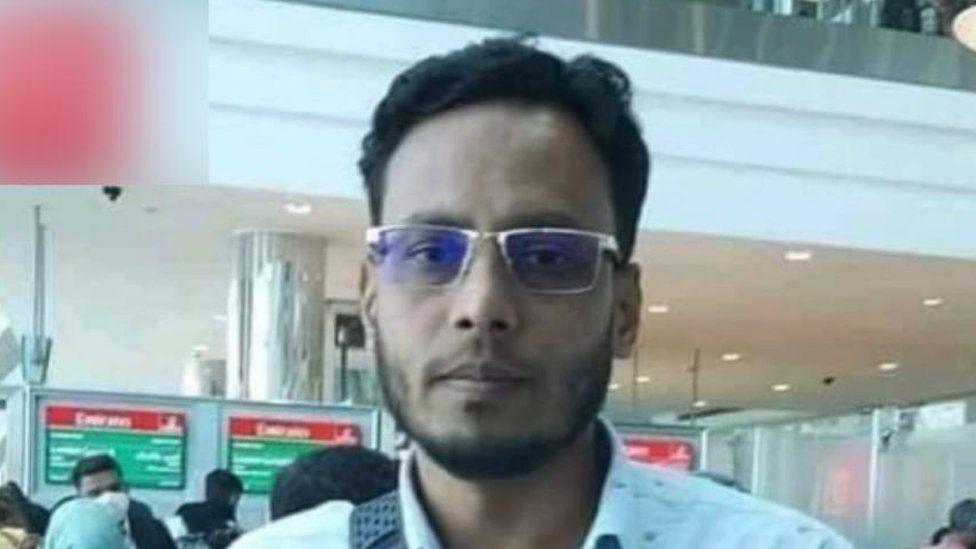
[(96, 484), (493, 167)]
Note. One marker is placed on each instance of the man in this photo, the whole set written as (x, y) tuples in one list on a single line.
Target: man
[(99, 477), (347, 473), (961, 533), (212, 522), (505, 187), (315, 482)]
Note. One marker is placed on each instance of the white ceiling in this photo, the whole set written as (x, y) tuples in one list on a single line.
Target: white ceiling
[(840, 314), (133, 291), (740, 149)]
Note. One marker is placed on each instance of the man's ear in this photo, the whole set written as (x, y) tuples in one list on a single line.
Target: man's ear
[(367, 292), (626, 310)]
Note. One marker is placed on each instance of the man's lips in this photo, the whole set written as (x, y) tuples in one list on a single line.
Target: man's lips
[(483, 373)]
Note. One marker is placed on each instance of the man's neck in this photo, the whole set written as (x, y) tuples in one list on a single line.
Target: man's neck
[(550, 507)]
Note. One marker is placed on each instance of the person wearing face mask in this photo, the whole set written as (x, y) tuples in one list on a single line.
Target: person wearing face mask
[(99, 477), (82, 523)]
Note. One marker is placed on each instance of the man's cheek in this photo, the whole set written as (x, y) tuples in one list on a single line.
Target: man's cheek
[(566, 332), (411, 311)]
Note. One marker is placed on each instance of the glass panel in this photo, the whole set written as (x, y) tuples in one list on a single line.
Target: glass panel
[(922, 474), (730, 453), (821, 468)]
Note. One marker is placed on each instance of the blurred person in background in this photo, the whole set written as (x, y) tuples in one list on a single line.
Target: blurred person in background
[(939, 535), (312, 485), (99, 477), (37, 515), (14, 531), (83, 523), (213, 521), (961, 533), (349, 473)]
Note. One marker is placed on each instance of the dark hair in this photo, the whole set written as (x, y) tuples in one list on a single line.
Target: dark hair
[(593, 91), (222, 485), (90, 465), (13, 507), (962, 517), (349, 473)]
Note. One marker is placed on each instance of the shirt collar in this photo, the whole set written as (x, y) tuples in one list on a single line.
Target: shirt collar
[(615, 517), (417, 531)]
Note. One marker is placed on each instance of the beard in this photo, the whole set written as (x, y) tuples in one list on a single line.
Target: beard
[(583, 384)]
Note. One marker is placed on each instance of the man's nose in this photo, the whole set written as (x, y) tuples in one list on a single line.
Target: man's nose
[(485, 300)]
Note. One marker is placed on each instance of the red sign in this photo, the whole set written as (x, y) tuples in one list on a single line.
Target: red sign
[(665, 452), (322, 432), (117, 419)]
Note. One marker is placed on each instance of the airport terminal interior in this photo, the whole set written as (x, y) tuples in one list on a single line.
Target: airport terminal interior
[(807, 253)]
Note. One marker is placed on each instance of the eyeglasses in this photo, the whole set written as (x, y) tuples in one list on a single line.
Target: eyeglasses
[(543, 260)]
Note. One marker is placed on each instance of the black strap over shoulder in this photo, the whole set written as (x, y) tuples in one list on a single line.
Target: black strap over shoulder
[(376, 524)]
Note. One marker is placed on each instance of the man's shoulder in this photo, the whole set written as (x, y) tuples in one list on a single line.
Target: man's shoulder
[(139, 509), (188, 507), (725, 513), (324, 526)]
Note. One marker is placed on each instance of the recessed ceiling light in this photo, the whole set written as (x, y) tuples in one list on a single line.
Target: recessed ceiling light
[(613, 386), (888, 366), (933, 302), (658, 309), (964, 27), (220, 318), (201, 348), (298, 208), (798, 255), (782, 387), (731, 357), (700, 403), (643, 379)]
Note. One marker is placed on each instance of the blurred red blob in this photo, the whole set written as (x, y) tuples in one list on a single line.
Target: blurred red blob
[(68, 93)]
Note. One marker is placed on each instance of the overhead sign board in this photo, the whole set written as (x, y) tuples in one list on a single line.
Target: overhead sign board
[(149, 444), (260, 446)]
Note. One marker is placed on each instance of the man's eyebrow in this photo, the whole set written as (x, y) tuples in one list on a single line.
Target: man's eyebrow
[(524, 220), (436, 218), (541, 219)]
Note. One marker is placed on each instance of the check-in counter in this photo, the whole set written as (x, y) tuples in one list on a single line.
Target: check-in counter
[(167, 444)]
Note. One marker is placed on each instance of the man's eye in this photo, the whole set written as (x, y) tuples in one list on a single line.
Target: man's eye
[(545, 257), (429, 253)]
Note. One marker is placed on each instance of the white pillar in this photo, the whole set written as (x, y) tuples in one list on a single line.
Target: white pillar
[(275, 317)]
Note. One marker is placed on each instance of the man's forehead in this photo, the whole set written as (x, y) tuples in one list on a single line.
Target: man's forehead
[(499, 165), (509, 220), (100, 478)]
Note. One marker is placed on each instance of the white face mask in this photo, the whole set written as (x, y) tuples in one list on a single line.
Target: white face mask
[(116, 500)]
